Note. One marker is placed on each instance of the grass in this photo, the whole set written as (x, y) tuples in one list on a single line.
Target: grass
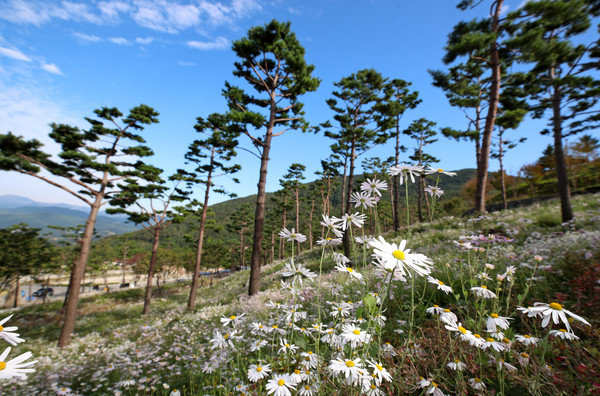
[(116, 349)]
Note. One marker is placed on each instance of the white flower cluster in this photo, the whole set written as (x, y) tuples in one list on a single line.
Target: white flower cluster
[(16, 367)]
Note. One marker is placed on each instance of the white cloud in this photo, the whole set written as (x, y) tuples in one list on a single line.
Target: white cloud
[(87, 37), (161, 15), (14, 54), (51, 68), (144, 41), (119, 41), (111, 9), (218, 44), (183, 63)]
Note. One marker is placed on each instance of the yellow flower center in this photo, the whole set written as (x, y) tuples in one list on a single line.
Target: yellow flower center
[(306, 387), (232, 317), (399, 254), (476, 336), (495, 316), (357, 332), (441, 283), (556, 306), (349, 363), (524, 355), (436, 306), (350, 270), (379, 367), (2, 365), (280, 382), (527, 336), (310, 352), (446, 310), (274, 326), (329, 238), (462, 329), (440, 170), (506, 340), (1, 328), (456, 361), (490, 340), (226, 336), (287, 345), (434, 384), (484, 287), (296, 371), (563, 330), (477, 379)]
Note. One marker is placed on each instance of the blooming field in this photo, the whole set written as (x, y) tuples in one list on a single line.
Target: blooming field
[(503, 303)]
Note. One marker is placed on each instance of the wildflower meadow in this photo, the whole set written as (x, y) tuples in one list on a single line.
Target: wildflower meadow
[(502, 303)]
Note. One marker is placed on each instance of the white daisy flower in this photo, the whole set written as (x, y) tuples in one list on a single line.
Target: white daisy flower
[(292, 235), (16, 366), (476, 383), (555, 312), (507, 366), (280, 385), (435, 310), (363, 199), (440, 285), (339, 258), (256, 372), (492, 343), (256, 345), (379, 372), (332, 224), (373, 186), (355, 219), (400, 258), (434, 190), (234, 320), (343, 268), (351, 369), (354, 335), (527, 339), (448, 316), (309, 360), (298, 271), (457, 365), (483, 291), (404, 171), (432, 170), (8, 333), (564, 334), (433, 390), (286, 347), (329, 241), (495, 320), (523, 359)]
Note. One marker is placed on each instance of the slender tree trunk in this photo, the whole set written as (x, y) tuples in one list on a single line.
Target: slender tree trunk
[(259, 216), (395, 182), (346, 199), (310, 221), (17, 287), (502, 182), (483, 163), (561, 165), (344, 178), (148, 295), (192, 297), (77, 273)]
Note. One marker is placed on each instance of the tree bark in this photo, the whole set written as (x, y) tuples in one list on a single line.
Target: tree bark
[(559, 156), (259, 216), (395, 182), (148, 295), (346, 238), (192, 297), (77, 274), (16, 302), (484, 159)]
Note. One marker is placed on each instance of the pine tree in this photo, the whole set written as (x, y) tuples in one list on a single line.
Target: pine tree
[(271, 62), (92, 161)]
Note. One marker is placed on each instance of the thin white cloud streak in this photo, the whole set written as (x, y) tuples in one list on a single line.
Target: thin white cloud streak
[(87, 37), (144, 41), (119, 41), (14, 54), (51, 68), (220, 43)]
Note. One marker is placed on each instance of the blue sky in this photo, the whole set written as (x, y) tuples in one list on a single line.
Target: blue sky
[(61, 60)]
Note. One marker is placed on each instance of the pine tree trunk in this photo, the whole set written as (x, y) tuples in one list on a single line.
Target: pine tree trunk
[(17, 286), (192, 297), (346, 239), (259, 216), (77, 274), (502, 182), (310, 221), (395, 182), (148, 295), (561, 165), (484, 158)]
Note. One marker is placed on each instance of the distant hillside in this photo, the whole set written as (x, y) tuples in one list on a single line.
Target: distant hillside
[(41, 215), (222, 212)]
